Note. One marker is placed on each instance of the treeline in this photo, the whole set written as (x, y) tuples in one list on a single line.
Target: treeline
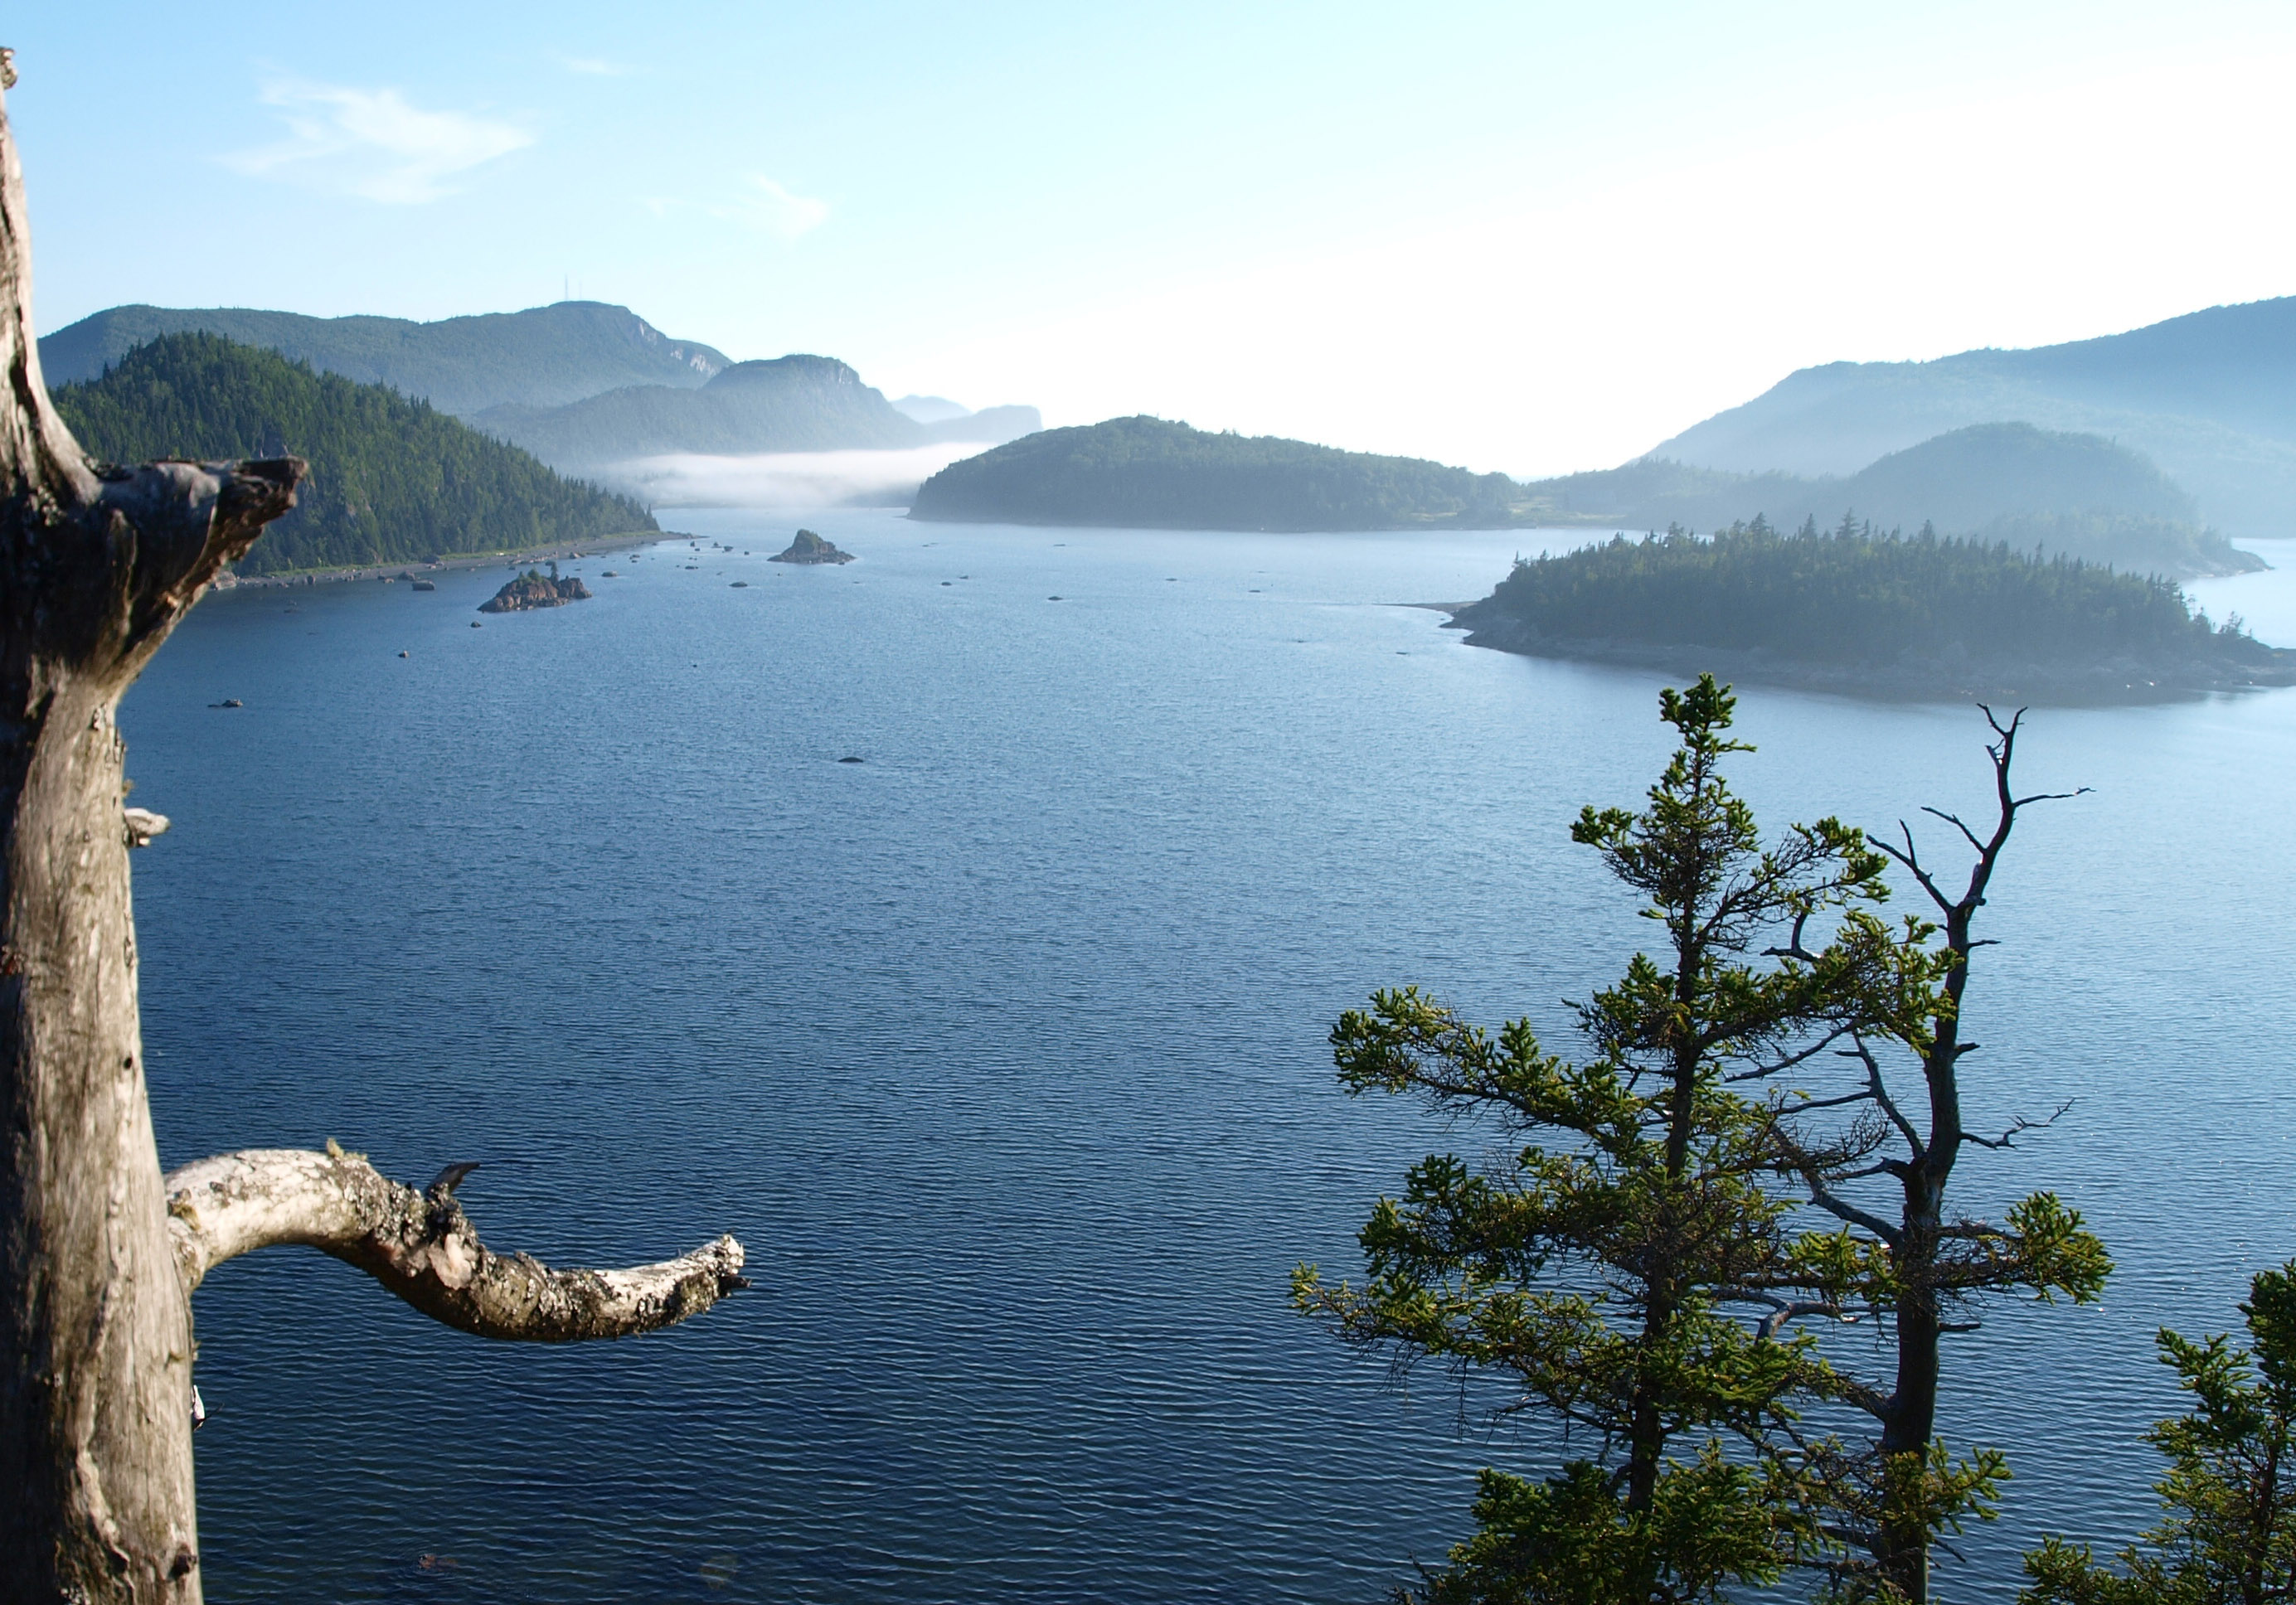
[(1856, 595), (1150, 473), (391, 479)]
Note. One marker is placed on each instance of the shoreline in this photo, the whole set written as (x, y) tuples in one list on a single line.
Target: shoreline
[(559, 550), (2122, 683)]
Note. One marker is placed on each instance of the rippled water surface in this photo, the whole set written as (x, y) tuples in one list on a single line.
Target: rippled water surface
[(1003, 1048)]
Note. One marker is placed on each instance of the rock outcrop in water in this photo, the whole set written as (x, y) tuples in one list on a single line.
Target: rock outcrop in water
[(810, 548), (536, 589)]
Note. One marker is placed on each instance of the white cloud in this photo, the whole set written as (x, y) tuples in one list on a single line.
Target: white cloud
[(766, 206), (594, 67), (369, 143)]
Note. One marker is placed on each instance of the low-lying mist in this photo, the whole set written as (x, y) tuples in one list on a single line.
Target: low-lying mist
[(839, 478)]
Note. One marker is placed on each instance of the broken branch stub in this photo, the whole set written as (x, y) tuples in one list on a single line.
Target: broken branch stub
[(423, 1247)]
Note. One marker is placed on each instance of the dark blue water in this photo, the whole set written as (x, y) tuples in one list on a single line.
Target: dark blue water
[(1003, 1050)]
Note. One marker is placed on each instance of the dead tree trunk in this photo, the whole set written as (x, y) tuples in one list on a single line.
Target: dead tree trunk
[(97, 565)]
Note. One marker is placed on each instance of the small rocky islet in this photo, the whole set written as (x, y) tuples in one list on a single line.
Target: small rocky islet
[(810, 548), (536, 589)]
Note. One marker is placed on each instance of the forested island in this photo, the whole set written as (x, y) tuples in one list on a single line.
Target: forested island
[(2082, 496), (1149, 474), (1860, 610), (391, 479)]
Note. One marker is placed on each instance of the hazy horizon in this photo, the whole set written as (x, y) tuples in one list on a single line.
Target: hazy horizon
[(1515, 238)]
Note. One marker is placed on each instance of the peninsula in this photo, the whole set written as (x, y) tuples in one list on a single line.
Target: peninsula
[(392, 481)]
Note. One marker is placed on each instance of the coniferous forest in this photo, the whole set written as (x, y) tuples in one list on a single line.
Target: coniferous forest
[(1859, 598), (391, 479)]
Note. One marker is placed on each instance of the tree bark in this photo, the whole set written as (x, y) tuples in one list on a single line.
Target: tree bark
[(422, 1246), (97, 565)]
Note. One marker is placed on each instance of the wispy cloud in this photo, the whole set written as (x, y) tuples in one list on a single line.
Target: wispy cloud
[(766, 206), (594, 67), (371, 142)]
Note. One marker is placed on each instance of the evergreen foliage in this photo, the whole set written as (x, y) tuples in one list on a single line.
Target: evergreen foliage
[(2227, 1534), (1594, 1265), (391, 480), (1855, 596)]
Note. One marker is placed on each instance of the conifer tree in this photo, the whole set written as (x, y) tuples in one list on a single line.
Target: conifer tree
[(1594, 1266), (2227, 1536)]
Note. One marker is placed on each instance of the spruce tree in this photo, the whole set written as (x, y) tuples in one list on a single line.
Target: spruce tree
[(1595, 1266)]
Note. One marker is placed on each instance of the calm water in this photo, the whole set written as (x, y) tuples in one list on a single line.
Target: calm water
[(1003, 1050)]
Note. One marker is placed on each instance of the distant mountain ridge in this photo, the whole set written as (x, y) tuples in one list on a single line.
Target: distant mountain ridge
[(542, 356), (790, 404), (2079, 495), (2210, 396)]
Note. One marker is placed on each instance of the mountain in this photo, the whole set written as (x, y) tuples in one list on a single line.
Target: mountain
[(791, 403), (391, 480), (2082, 496), (2210, 397), (930, 409), (1147, 473), (543, 356)]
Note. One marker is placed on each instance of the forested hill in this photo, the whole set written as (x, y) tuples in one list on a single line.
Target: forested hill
[(1148, 473), (392, 480), (542, 356), (1861, 611), (2210, 396)]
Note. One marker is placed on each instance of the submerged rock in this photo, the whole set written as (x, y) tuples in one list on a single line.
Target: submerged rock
[(810, 548)]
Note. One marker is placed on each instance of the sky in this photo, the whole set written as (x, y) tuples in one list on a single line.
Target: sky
[(1529, 237)]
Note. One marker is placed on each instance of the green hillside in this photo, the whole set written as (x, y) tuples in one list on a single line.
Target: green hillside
[(1148, 473), (391, 480), (543, 356), (2210, 396), (1920, 613)]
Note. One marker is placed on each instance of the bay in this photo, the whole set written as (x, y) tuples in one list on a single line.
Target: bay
[(1003, 1048)]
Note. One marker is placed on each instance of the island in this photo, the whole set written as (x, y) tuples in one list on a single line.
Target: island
[(2079, 495), (1151, 473), (810, 548), (1871, 613), (536, 589)]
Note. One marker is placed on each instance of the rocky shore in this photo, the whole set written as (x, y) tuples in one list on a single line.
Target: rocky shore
[(562, 550)]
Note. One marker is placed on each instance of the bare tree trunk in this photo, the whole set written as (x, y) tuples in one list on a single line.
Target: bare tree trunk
[(96, 567)]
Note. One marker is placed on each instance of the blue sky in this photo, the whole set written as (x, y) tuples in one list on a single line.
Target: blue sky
[(1530, 237)]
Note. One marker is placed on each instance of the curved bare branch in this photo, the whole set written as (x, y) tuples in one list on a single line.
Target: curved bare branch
[(423, 1247)]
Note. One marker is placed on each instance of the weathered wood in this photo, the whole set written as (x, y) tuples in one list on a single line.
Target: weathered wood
[(423, 1247), (97, 565)]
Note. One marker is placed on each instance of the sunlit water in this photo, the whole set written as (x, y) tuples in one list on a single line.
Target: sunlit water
[(1003, 1050)]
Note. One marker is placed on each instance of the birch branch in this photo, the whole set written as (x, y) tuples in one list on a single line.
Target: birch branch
[(423, 1247)]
